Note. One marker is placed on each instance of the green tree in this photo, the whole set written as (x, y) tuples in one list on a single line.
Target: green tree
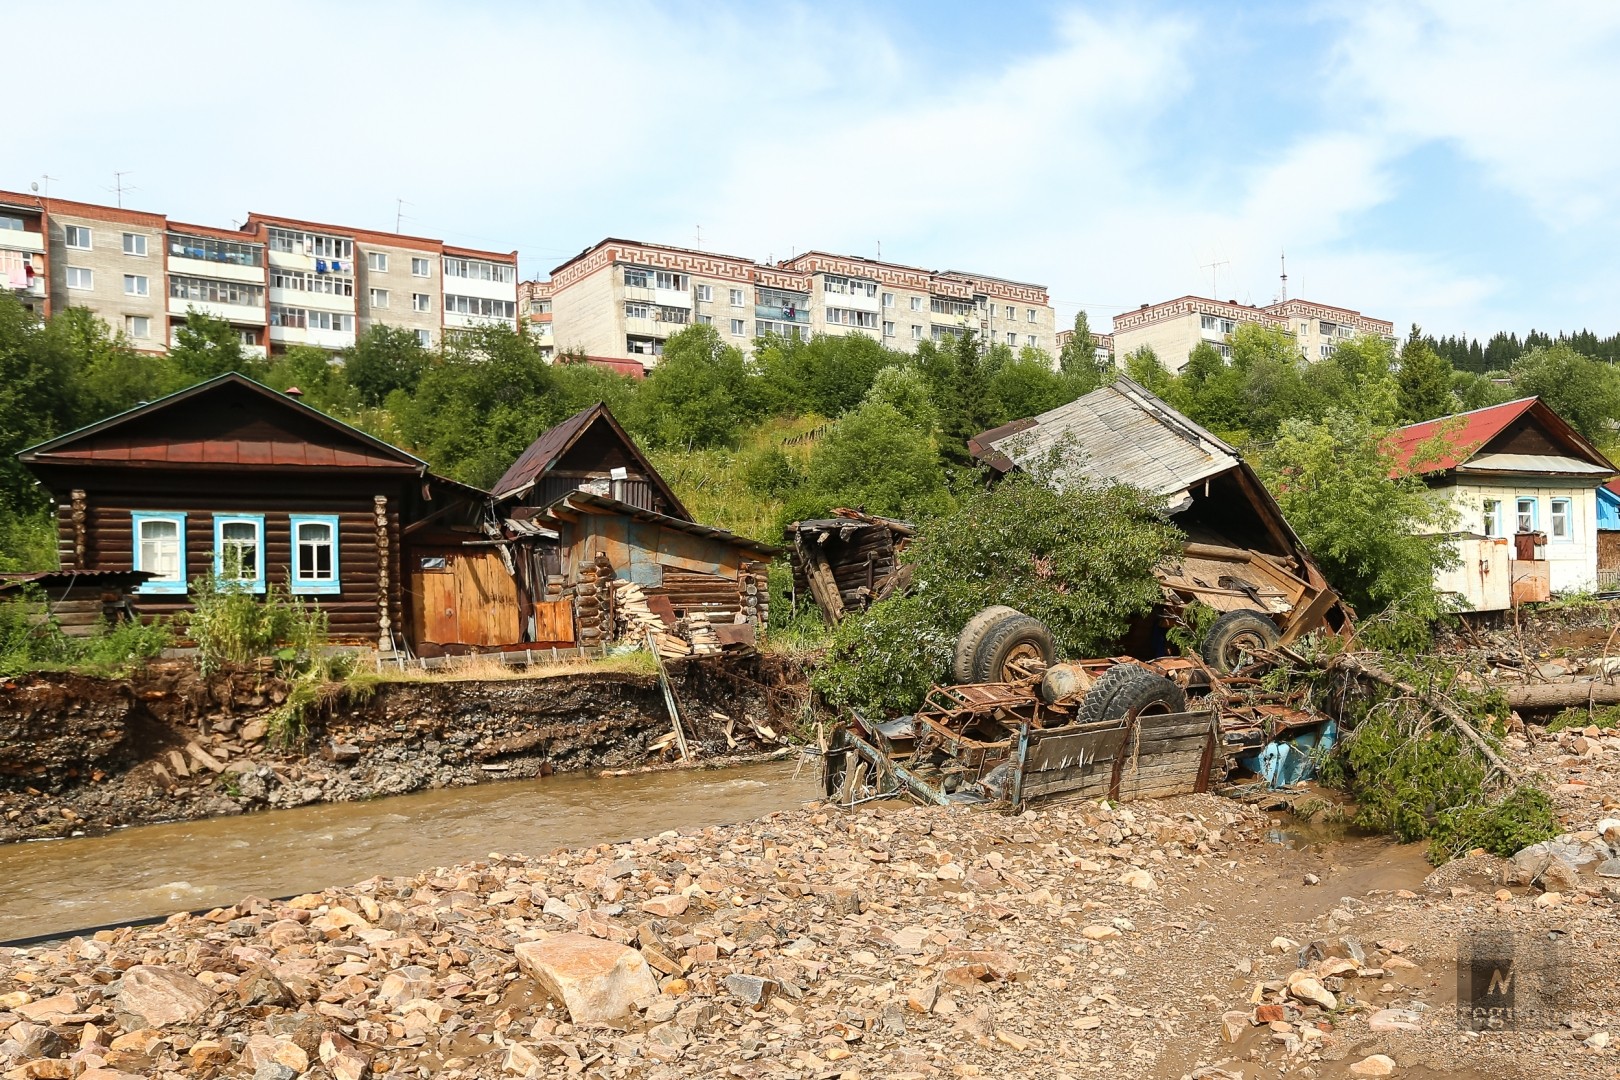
[(319, 377), (1078, 357), (1142, 365), (205, 347), (384, 359), (1026, 386), (1583, 391), (1079, 557), (961, 394), (701, 394), (1479, 391), (874, 459), (828, 374), (906, 391), (1423, 385), (1375, 531)]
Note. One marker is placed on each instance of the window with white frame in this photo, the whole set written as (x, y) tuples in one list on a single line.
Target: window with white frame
[(888, 329), (12, 222), (138, 327), (421, 301), (888, 299), (1012, 313), (738, 328), (705, 320), (424, 338), (637, 311), (480, 270), (1012, 339), (215, 290), (76, 236), (379, 298), (849, 317), (137, 285), (377, 261), (833, 283), (78, 277), (1029, 315), (481, 306), (314, 553), (916, 331), (135, 244), (736, 298), (634, 278), (916, 303), (160, 550), (1561, 520), (421, 267), (239, 551), (1491, 525), (668, 279), (1524, 513), (705, 294)]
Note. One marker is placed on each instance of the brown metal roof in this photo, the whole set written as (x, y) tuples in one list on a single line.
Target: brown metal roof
[(544, 453)]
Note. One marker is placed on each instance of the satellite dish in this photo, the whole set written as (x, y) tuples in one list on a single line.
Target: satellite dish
[(34, 186)]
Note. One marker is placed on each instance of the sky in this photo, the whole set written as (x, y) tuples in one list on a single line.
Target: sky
[(1452, 164)]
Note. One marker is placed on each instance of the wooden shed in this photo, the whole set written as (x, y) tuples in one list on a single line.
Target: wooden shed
[(234, 480)]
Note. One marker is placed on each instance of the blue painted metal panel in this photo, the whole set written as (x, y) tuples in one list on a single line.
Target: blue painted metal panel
[(1608, 510)]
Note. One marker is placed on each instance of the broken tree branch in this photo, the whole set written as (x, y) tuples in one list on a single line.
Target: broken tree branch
[(1570, 695)]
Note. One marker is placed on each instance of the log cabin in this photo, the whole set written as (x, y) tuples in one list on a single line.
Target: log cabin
[(233, 480)]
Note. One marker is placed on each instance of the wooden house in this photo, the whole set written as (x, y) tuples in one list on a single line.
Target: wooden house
[(583, 507), (234, 480)]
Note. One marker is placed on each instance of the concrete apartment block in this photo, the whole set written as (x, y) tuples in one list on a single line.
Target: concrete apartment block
[(399, 282), (110, 261), (1172, 329)]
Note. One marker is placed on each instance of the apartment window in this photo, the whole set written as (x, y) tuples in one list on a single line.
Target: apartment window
[(320, 281), (303, 243), (1012, 339), (1029, 315), (479, 270), (303, 319), (424, 338), (138, 327), (1012, 313), (888, 299), (539, 307), (12, 223), (239, 551), (210, 250), (672, 315), (379, 298), (1225, 351), (888, 329), (248, 337), (1524, 514), (314, 553), (137, 285), (916, 331), (868, 287), (135, 244), (421, 301), (76, 236), (705, 320), (834, 284), (421, 267), (668, 279), (638, 311), (1561, 531), (737, 328), (377, 261), (1328, 328), (705, 294), (1032, 341), (481, 306), (847, 317), (635, 279), (941, 306), (916, 305), (160, 549), (644, 346), (80, 278), (1492, 524), (736, 298), (796, 331), (215, 291), (1327, 350)]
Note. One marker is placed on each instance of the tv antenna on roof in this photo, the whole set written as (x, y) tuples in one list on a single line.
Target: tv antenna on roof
[(1284, 257), (698, 240), (119, 187), (399, 212), (1214, 271), (47, 177)]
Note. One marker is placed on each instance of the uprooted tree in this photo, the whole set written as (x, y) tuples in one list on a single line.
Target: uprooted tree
[(1078, 556)]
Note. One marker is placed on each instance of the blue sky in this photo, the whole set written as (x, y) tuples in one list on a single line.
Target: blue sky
[(1455, 164)]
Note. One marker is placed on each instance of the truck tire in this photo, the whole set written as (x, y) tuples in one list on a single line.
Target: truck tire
[(1236, 634), (1125, 687), (972, 636), (1014, 638)]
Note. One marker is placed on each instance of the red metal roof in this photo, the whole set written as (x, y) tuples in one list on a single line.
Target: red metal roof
[(1465, 434)]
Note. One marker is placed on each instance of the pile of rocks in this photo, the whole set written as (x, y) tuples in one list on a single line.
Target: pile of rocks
[(906, 942)]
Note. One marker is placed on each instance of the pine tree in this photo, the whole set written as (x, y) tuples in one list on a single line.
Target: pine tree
[(1423, 384)]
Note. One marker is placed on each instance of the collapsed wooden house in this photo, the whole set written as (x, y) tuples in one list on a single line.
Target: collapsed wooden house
[(583, 513), (847, 562)]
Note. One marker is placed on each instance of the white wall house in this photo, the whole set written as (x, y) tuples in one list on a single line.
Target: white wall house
[(1523, 485)]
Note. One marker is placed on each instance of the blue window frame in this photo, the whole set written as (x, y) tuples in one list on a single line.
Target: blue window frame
[(1526, 513), (159, 541), (239, 551), (315, 554)]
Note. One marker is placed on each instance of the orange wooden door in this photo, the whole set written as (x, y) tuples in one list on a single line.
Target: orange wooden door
[(486, 599), (554, 622), (434, 611)]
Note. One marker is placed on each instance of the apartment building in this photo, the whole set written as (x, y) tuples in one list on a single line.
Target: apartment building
[(1103, 345), (1173, 328), (534, 312), (622, 299), (278, 281)]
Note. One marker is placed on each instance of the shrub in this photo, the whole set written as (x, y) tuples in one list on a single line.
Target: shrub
[(231, 626)]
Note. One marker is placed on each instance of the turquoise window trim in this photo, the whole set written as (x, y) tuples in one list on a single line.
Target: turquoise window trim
[(256, 584), (166, 586), (1569, 520), (314, 588), (1535, 511)]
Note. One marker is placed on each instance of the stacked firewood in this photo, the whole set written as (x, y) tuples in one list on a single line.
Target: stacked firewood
[(705, 642), (635, 620)]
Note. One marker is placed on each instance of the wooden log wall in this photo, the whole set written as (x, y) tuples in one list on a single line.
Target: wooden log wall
[(860, 565), (370, 600)]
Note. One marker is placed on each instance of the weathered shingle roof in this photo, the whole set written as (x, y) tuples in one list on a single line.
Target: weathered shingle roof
[(543, 454), (1120, 432)]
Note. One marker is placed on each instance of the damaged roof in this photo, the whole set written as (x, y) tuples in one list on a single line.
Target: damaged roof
[(546, 451), (1119, 432), (585, 502)]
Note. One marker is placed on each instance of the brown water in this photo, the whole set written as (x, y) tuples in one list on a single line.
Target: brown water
[(156, 869)]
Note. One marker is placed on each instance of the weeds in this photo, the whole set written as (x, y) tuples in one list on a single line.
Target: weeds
[(231, 626), (1605, 719), (32, 640)]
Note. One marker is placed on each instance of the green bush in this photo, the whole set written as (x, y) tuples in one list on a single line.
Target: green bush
[(231, 626), (31, 640)]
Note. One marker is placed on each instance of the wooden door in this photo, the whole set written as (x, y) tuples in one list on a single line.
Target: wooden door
[(487, 599), (433, 595)]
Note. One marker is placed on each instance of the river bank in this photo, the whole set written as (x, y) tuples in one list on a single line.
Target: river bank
[(80, 755), (1186, 937)]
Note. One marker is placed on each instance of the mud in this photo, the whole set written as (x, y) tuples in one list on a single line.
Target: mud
[(79, 755)]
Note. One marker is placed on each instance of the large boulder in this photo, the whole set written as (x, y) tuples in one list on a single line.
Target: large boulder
[(157, 996), (596, 980)]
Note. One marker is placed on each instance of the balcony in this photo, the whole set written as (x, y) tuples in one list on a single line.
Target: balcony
[(324, 339), (246, 314), (18, 240), (794, 313)]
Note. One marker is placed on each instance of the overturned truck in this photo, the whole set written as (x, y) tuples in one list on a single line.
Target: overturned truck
[(1241, 557)]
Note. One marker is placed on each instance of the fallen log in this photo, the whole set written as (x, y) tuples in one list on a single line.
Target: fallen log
[(1573, 695)]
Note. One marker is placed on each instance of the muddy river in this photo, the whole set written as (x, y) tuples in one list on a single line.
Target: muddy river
[(156, 869)]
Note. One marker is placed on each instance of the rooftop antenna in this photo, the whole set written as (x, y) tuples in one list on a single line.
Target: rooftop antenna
[(399, 212), (119, 187), (880, 251), (1214, 271), (699, 243), (47, 177), (1284, 256)]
